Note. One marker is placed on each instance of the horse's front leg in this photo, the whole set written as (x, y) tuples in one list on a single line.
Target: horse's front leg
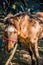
[(36, 53), (32, 55)]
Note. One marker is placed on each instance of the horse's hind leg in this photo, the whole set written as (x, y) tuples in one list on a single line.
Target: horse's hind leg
[(32, 55)]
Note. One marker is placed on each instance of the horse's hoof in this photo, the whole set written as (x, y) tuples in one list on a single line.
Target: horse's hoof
[(39, 58), (39, 61), (34, 62)]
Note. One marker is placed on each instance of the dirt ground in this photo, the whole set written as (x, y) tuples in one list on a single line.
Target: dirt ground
[(21, 57)]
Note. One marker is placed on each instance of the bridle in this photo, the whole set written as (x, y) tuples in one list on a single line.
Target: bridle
[(6, 40)]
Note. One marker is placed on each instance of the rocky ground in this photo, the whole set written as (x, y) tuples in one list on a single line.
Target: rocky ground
[(21, 57)]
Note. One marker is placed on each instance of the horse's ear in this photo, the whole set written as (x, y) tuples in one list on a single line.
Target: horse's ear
[(7, 17)]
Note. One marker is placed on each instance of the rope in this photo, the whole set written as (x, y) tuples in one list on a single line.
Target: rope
[(11, 56)]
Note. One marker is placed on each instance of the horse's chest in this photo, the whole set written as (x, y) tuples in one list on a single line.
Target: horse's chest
[(24, 40), (24, 30)]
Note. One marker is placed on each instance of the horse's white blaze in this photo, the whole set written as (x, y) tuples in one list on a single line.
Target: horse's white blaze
[(11, 29)]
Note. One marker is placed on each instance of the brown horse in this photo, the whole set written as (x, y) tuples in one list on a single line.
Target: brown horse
[(28, 30)]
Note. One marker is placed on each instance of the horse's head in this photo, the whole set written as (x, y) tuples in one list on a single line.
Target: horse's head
[(10, 37)]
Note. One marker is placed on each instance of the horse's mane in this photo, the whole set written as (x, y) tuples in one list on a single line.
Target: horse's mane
[(32, 16), (9, 16)]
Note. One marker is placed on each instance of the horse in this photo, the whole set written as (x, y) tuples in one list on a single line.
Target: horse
[(28, 30)]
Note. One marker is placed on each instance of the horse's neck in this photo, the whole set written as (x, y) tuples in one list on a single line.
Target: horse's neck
[(16, 22)]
